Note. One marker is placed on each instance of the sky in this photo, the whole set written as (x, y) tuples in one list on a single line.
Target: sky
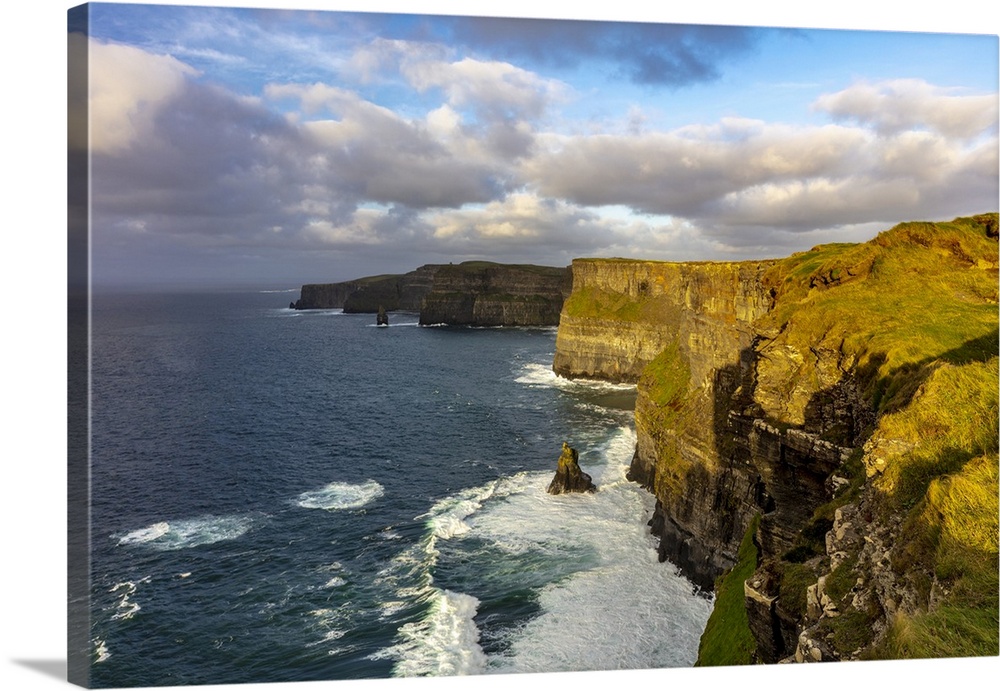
[(276, 146)]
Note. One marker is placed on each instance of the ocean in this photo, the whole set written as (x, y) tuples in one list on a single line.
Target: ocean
[(280, 495)]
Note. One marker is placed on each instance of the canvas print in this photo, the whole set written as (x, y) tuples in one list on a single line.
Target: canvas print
[(421, 345)]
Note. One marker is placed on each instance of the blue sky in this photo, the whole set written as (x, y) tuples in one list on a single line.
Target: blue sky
[(275, 146)]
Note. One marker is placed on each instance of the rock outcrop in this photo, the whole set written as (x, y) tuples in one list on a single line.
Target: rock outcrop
[(488, 294), (840, 408), (569, 477)]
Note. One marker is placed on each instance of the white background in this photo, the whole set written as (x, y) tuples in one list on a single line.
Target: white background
[(33, 256)]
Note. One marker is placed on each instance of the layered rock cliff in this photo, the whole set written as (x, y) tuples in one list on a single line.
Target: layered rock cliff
[(622, 314), (488, 294), (365, 295), (469, 294), (678, 330), (317, 296), (835, 415)]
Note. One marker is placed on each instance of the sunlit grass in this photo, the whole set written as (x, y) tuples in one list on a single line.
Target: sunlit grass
[(953, 535), (913, 317)]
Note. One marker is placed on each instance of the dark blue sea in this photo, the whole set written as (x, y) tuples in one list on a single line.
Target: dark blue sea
[(282, 495)]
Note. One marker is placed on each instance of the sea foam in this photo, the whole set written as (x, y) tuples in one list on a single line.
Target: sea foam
[(625, 609), (192, 532), (444, 643), (341, 495), (591, 558), (445, 640), (540, 374)]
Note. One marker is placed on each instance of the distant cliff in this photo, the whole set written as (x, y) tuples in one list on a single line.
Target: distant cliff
[(820, 432), (488, 294), (470, 293), (391, 291), (316, 296)]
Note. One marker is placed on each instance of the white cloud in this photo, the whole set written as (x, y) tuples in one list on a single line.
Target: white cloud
[(527, 220), (361, 229), (495, 89), (742, 173), (471, 174), (380, 58), (894, 106), (128, 88)]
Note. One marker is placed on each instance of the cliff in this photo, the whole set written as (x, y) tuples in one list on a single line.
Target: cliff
[(622, 314), (405, 292), (325, 295), (678, 330), (391, 291), (820, 433), (488, 294), (469, 294)]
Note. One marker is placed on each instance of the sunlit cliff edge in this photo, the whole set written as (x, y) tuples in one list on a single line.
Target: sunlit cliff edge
[(820, 433)]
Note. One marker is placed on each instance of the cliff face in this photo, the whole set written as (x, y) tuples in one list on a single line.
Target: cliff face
[(623, 313), (325, 295), (394, 293), (487, 294), (847, 397), (470, 293), (678, 329), (366, 295)]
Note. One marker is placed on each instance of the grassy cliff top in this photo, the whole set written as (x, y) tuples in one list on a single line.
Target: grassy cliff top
[(913, 316), (918, 294), (700, 262), (477, 266), (468, 267)]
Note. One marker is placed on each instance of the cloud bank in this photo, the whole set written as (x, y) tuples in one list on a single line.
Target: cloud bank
[(416, 149)]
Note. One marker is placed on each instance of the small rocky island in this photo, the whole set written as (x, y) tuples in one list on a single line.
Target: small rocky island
[(569, 477)]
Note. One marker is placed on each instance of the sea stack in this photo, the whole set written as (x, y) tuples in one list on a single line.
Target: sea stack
[(569, 477), (382, 319)]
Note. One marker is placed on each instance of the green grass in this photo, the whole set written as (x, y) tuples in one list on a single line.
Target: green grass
[(665, 379), (952, 535), (930, 355), (595, 303), (472, 267), (952, 419), (914, 315), (664, 416), (795, 580), (727, 639)]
